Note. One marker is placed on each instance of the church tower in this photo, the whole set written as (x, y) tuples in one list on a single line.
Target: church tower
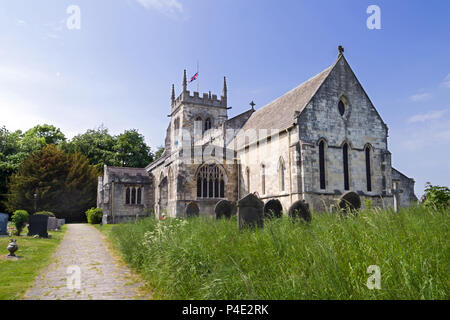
[(196, 114)]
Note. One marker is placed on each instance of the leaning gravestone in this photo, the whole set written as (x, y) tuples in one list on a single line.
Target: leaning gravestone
[(52, 223), (224, 209), (250, 212), (192, 210), (273, 209), (300, 209), (38, 226), (3, 224), (349, 201)]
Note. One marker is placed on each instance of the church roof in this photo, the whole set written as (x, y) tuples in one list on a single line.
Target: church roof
[(279, 114)]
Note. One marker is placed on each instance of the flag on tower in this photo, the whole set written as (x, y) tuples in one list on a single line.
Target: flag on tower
[(194, 77)]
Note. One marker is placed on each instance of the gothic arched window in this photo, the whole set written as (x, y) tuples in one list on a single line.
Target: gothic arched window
[(341, 107), (208, 124), (368, 173), (322, 164), (210, 182), (346, 168)]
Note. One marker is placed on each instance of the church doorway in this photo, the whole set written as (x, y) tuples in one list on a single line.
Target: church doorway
[(163, 199)]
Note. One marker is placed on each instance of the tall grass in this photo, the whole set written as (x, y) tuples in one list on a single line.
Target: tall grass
[(328, 259)]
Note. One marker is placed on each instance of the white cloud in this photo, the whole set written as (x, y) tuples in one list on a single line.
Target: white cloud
[(432, 115), (420, 97), (168, 7), (446, 82)]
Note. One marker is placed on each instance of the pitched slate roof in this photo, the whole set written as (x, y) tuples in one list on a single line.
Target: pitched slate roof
[(279, 114)]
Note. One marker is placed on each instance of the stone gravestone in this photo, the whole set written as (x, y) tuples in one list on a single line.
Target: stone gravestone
[(52, 223), (224, 209), (192, 210), (250, 212), (3, 224), (273, 209), (60, 223), (349, 201), (38, 226), (300, 209)]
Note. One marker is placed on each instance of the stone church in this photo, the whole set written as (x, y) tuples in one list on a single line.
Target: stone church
[(315, 143)]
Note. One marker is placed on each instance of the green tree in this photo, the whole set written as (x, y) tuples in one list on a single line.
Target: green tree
[(40, 136), (10, 158), (437, 196), (131, 150), (96, 144), (64, 183)]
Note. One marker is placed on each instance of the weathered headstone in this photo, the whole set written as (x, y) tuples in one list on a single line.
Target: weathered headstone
[(192, 210), (224, 209), (300, 210), (350, 201), (59, 223), (273, 209), (38, 225), (51, 223), (250, 212), (3, 224)]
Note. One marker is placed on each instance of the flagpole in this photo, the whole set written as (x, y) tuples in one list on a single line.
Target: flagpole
[(198, 77)]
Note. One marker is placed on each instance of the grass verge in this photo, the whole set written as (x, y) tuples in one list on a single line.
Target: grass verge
[(34, 254), (328, 259)]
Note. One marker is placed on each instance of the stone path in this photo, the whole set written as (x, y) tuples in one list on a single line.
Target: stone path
[(102, 275)]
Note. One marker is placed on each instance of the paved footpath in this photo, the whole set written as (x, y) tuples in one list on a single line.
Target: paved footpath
[(102, 275)]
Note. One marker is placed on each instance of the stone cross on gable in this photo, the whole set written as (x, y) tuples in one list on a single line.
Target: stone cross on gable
[(252, 104), (396, 192)]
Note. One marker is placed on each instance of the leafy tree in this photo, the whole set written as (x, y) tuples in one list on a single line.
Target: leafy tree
[(436, 196), (97, 145), (131, 150), (65, 184), (40, 136), (10, 158)]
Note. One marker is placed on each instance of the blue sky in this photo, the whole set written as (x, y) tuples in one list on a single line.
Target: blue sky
[(117, 69)]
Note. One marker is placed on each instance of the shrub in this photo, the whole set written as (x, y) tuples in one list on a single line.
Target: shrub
[(437, 197), (46, 213), (19, 217), (94, 215)]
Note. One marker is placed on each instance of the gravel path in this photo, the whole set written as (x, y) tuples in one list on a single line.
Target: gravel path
[(84, 252)]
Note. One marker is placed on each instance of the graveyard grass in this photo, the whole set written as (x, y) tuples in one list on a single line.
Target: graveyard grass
[(328, 259), (35, 254)]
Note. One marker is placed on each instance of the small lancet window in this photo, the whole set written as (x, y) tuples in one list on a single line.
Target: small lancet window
[(341, 107)]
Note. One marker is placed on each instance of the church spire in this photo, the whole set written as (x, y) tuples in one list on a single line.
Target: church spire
[(173, 93), (224, 90), (184, 81)]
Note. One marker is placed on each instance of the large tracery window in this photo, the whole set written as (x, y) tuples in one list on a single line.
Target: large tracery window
[(210, 182)]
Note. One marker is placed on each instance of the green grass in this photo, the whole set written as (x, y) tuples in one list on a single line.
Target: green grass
[(327, 259), (35, 254)]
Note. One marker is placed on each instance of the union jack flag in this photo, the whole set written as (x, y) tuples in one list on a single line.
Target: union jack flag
[(194, 77)]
